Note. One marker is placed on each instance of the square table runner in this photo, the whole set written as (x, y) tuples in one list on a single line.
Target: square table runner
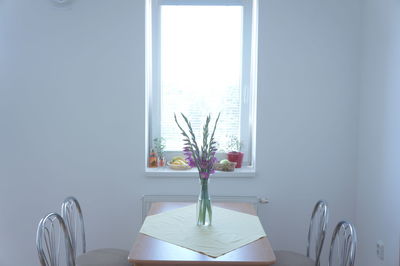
[(229, 230)]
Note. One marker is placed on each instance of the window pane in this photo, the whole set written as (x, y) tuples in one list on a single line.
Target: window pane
[(201, 66)]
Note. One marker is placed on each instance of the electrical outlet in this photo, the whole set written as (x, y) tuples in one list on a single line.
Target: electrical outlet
[(380, 250)]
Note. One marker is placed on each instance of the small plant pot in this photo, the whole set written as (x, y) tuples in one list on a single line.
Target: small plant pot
[(161, 161), (236, 157)]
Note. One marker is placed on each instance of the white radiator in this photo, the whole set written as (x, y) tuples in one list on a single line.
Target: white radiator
[(147, 200)]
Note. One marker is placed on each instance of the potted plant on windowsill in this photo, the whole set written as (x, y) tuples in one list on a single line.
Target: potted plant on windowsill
[(159, 145), (235, 154)]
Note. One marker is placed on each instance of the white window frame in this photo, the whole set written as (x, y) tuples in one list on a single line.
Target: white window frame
[(249, 72)]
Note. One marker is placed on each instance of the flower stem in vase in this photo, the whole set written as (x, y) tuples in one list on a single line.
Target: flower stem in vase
[(204, 209)]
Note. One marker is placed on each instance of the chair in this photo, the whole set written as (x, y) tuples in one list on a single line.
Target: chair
[(343, 245), (316, 236), (72, 214), (50, 233)]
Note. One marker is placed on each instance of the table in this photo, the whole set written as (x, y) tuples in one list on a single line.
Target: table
[(149, 251)]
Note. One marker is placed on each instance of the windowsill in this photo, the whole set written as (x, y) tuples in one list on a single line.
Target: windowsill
[(167, 172)]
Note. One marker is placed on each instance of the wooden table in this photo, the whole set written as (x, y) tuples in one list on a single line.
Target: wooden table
[(149, 251)]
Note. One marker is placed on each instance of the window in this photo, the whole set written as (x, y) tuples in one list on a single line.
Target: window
[(200, 60)]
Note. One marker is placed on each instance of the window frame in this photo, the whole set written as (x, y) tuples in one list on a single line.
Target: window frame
[(249, 72)]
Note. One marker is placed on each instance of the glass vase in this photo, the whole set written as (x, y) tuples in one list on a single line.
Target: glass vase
[(204, 210)]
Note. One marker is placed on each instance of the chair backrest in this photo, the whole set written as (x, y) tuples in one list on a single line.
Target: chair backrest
[(343, 245), (317, 230), (71, 212), (50, 233)]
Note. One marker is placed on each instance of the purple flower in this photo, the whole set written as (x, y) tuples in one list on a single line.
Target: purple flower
[(187, 154), (191, 162), (204, 175), (188, 157), (202, 157), (204, 164)]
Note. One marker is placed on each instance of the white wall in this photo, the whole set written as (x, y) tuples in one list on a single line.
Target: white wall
[(378, 200), (72, 117), (307, 113)]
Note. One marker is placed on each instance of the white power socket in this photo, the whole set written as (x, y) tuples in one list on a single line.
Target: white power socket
[(380, 250)]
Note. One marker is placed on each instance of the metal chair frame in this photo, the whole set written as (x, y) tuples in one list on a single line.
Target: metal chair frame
[(319, 218), (49, 233), (71, 212), (344, 233)]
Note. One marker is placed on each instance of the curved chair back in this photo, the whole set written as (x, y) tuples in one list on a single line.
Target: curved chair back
[(343, 245), (317, 230), (72, 214), (50, 232)]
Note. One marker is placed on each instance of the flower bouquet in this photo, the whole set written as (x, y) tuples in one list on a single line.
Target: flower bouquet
[(203, 158)]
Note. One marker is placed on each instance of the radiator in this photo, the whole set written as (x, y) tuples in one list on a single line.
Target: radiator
[(147, 200)]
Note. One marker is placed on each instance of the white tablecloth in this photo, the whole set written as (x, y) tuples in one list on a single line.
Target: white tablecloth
[(229, 230)]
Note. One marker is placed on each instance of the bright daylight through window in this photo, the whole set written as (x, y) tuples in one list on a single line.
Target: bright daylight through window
[(200, 60)]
